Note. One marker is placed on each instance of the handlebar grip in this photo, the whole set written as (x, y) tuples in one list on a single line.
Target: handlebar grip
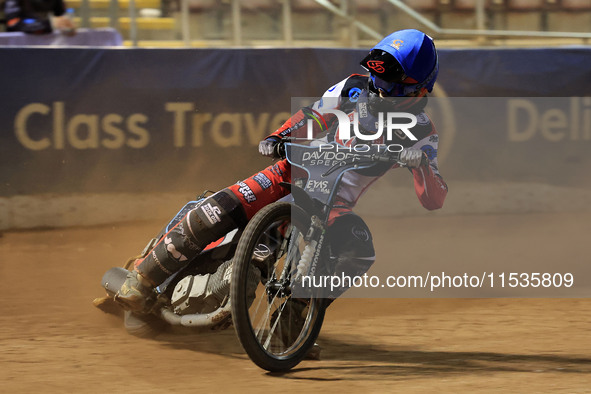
[(387, 158), (279, 150), (382, 159)]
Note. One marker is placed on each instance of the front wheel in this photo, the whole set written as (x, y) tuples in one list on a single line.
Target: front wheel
[(275, 329)]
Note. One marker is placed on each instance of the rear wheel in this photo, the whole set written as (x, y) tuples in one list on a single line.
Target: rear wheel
[(275, 329)]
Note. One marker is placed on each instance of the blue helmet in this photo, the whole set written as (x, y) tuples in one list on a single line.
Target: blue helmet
[(403, 64)]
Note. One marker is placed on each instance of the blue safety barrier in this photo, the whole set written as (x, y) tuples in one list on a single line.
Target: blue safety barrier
[(78, 120)]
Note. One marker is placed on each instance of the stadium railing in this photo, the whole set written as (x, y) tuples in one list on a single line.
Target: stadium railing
[(210, 23)]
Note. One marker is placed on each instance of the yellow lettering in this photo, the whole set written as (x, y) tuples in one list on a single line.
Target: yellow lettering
[(574, 118), (278, 120), (258, 131), (532, 114), (143, 135), (58, 125), (179, 110), (553, 125), (91, 138), (587, 119), (199, 120), (109, 126), (228, 137), (20, 126)]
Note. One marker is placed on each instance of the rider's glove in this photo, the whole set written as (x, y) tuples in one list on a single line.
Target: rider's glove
[(412, 157), (267, 146)]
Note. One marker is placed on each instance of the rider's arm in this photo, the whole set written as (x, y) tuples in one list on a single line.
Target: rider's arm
[(430, 187), (297, 125)]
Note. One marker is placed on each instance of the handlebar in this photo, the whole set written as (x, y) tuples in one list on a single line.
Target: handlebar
[(390, 157), (279, 148), (381, 157)]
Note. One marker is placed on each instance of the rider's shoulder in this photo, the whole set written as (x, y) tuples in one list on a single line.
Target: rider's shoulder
[(424, 127), (353, 83), (423, 119)]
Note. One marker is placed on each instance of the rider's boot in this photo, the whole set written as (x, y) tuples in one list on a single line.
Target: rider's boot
[(217, 215), (134, 292)]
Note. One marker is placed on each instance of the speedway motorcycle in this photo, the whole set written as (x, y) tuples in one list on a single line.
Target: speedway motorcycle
[(254, 278)]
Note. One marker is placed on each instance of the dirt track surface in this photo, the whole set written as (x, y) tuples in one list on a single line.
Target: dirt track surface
[(53, 340)]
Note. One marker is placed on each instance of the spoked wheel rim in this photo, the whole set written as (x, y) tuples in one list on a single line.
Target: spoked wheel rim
[(274, 311), (266, 315)]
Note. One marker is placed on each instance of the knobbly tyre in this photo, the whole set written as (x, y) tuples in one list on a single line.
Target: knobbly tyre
[(252, 277)]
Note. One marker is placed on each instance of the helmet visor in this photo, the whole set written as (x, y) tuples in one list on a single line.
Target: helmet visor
[(380, 84), (384, 65), (393, 89)]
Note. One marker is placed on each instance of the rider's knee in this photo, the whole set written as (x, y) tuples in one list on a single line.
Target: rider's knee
[(350, 236), (217, 215)]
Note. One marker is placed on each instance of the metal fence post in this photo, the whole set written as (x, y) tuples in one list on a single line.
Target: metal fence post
[(85, 13), (132, 23), (114, 14), (287, 22), (236, 23), (185, 22), (479, 14)]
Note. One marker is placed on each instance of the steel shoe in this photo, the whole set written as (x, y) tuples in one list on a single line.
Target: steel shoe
[(134, 292)]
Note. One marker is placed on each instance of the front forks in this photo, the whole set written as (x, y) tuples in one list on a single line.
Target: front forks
[(314, 239)]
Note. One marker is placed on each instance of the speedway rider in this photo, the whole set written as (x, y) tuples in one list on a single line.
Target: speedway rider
[(402, 70)]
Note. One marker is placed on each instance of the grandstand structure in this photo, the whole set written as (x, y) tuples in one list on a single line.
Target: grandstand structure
[(337, 23)]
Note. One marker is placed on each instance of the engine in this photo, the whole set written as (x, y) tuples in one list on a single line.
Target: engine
[(202, 293)]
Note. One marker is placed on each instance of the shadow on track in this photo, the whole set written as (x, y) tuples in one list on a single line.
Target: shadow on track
[(359, 360)]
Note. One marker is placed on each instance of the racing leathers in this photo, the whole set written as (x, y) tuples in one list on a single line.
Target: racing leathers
[(234, 206), (346, 96)]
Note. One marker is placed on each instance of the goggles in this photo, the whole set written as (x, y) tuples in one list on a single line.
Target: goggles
[(392, 88)]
